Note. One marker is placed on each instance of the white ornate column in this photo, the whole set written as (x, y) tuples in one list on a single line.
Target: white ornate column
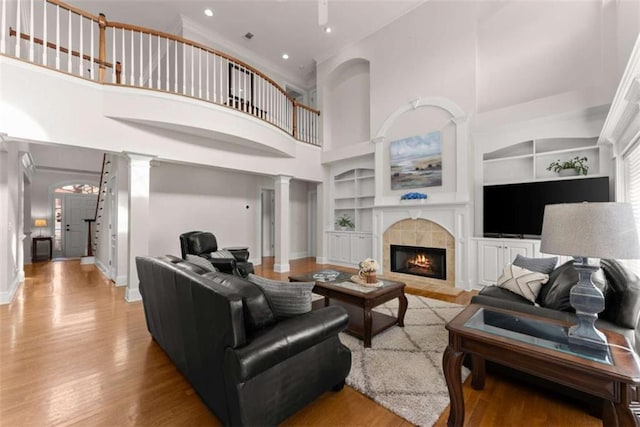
[(139, 213), (283, 232)]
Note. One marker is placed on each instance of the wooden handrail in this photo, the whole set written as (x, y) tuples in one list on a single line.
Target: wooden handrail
[(74, 10), (199, 46), (304, 107), (23, 36)]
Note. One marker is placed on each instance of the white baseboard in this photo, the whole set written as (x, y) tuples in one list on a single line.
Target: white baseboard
[(298, 255), (7, 296), (88, 260), (132, 295), (281, 268), (121, 280), (322, 260), (102, 268)]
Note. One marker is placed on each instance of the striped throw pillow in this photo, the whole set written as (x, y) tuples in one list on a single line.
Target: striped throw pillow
[(200, 262), (287, 299), (222, 253), (523, 282)]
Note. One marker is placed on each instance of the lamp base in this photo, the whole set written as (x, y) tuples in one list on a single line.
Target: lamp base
[(588, 301)]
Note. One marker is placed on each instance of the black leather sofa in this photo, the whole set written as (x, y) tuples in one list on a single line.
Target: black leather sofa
[(202, 244), (620, 286), (248, 367)]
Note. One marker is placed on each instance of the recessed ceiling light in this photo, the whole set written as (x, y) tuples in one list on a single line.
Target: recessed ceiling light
[(327, 30), (208, 12), (285, 56)]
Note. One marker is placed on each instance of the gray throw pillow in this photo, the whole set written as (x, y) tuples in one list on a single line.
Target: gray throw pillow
[(200, 262), (287, 299), (222, 253), (622, 304), (539, 265), (556, 294)]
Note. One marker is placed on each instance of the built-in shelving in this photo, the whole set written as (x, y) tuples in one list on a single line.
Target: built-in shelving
[(353, 195), (528, 160)]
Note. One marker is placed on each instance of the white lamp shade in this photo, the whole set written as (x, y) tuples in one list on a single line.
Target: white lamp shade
[(593, 230)]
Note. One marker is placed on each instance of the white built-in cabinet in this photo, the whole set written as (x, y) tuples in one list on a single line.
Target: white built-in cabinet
[(494, 254), (528, 160), (349, 248)]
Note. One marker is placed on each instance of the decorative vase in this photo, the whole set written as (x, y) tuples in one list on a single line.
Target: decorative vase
[(568, 172), (370, 277)]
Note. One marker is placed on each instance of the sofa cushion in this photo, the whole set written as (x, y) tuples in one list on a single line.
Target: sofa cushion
[(256, 309), (521, 281), (503, 294), (287, 299), (555, 295), (200, 262), (622, 305), (540, 265)]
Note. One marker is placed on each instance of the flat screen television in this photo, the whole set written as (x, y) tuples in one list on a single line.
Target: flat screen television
[(516, 210)]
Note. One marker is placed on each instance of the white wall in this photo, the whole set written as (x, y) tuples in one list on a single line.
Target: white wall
[(185, 198), (11, 232)]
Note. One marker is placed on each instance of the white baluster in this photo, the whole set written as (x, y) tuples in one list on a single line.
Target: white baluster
[(199, 73), (70, 35), (132, 80), (192, 71), (206, 57), (31, 31), (3, 32), (123, 55), (167, 55), (184, 68), (18, 28), (149, 73), (57, 37), (44, 33), (81, 59), (175, 65), (141, 72), (159, 85)]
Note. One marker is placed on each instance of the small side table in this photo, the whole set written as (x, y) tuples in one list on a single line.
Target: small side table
[(34, 246)]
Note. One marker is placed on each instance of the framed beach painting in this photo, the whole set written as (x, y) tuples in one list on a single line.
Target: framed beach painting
[(416, 161)]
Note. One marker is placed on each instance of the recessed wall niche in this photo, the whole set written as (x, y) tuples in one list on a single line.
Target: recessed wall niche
[(347, 105), (420, 122)]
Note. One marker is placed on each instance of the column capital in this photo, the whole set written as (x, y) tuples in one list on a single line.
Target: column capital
[(378, 139), (282, 179), (139, 159)]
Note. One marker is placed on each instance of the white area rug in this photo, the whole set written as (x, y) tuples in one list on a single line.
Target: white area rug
[(402, 370)]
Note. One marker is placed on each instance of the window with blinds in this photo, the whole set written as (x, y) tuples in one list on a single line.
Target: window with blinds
[(631, 161)]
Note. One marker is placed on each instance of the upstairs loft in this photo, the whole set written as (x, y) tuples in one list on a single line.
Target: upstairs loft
[(134, 67)]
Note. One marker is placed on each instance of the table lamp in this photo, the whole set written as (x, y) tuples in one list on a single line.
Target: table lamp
[(41, 223), (583, 230)]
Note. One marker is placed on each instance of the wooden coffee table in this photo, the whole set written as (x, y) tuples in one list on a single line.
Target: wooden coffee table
[(363, 322), (538, 346)]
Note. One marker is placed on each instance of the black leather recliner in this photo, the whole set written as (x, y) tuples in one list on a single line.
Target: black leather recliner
[(202, 244), (248, 367)]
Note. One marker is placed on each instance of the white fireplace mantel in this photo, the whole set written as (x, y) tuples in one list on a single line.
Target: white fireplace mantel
[(452, 216)]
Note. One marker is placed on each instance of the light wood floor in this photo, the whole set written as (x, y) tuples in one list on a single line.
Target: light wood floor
[(72, 351)]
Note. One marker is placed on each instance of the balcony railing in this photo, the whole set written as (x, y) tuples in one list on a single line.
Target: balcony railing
[(62, 37)]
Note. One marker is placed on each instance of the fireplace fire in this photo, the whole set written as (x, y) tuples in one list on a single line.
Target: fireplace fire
[(419, 261)]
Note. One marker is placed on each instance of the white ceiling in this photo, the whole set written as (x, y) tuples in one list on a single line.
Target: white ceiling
[(279, 26)]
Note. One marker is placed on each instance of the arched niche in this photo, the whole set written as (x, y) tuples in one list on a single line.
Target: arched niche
[(419, 117), (347, 104)]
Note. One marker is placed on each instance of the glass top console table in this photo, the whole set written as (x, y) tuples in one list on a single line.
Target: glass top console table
[(539, 346)]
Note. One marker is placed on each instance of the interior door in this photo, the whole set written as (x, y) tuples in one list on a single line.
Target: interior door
[(76, 209), (268, 222)]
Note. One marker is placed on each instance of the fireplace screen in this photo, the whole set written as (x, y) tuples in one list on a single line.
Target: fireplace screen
[(419, 261)]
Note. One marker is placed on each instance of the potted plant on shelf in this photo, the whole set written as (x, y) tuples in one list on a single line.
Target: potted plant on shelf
[(345, 223), (575, 166)]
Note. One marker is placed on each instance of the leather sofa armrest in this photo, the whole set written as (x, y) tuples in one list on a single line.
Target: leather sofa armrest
[(285, 339), (225, 265)]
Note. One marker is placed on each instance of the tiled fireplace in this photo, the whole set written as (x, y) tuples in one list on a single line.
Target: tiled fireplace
[(419, 251)]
